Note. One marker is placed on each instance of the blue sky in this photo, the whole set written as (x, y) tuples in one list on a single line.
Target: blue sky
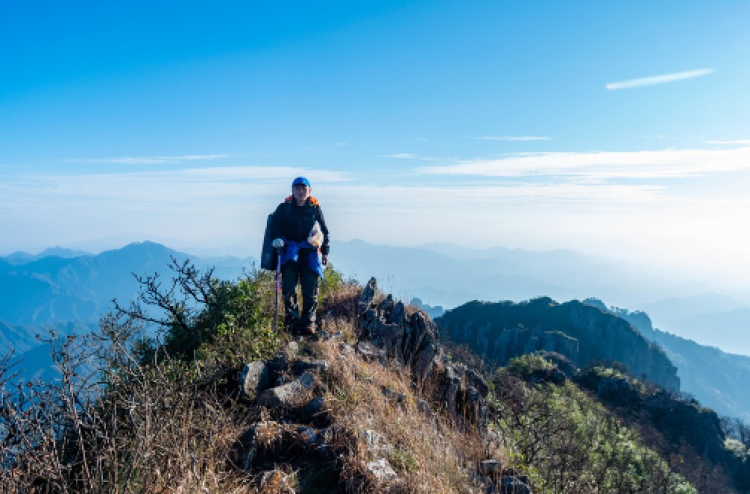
[(473, 122)]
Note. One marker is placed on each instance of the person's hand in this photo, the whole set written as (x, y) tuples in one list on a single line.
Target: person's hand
[(325, 259)]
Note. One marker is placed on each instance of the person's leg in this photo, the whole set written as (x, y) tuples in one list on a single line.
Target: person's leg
[(289, 276), (309, 282)]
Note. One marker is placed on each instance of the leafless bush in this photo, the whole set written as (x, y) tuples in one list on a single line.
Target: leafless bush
[(121, 419)]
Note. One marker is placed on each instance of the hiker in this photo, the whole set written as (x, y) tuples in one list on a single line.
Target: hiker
[(298, 226)]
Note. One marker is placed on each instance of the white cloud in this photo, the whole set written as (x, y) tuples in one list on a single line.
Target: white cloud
[(411, 156), (669, 163), (473, 195), (659, 79), (153, 160), (511, 138), (407, 156), (741, 142)]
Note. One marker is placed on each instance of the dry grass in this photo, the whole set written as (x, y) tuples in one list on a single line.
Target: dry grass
[(154, 430), (429, 453)]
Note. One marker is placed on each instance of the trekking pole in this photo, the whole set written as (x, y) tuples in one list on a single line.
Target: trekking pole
[(278, 270)]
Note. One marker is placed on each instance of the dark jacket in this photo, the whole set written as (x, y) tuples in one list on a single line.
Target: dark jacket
[(294, 222)]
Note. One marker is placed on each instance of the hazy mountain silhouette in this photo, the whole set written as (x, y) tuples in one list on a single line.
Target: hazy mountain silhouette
[(718, 379), (53, 289), (21, 257), (729, 331), (673, 309), (450, 275)]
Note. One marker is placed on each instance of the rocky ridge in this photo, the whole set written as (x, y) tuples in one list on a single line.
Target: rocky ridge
[(296, 421)]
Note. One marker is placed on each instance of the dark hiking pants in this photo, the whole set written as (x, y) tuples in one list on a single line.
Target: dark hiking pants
[(292, 273)]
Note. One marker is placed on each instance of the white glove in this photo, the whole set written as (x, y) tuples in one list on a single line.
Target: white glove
[(278, 243)]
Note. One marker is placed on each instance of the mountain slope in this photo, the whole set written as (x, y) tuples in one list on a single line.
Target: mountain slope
[(583, 334), (55, 289)]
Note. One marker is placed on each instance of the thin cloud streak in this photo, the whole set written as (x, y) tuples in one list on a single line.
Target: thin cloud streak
[(659, 79), (669, 163), (741, 142), (511, 138), (409, 156), (153, 160)]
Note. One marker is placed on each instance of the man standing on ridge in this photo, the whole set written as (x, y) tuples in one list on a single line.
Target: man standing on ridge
[(298, 226)]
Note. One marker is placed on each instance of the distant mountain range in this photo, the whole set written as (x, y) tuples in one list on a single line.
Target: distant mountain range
[(450, 275), (717, 379), (70, 289), (24, 257), (51, 289)]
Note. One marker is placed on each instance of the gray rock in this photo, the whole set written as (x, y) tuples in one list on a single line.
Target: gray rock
[(366, 297), (382, 470), (307, 436), (369, 352), (312, 408), (488, 468), (477, 381), (423, 361), (425, 408), (513, 485), (301, 366), (254, 378), (398, 315), (292, 394), (386, 307), (376, 443)]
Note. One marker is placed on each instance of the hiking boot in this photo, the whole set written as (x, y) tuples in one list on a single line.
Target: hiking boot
[(307, 329), (292, 325)]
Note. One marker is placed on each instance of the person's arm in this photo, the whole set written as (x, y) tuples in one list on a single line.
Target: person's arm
[(325, 248)]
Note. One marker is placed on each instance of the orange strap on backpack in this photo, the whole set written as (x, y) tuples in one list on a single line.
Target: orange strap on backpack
[(313, 201)]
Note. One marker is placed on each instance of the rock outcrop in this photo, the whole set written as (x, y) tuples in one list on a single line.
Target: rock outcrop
[(580, 332), (411, 342)]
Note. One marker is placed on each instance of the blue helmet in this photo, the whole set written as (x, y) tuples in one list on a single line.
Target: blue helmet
[(301, 181)]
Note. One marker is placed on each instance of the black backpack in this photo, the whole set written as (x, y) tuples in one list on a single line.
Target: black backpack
[(268, 257)]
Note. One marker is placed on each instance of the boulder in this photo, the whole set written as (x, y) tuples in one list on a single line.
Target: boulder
[(254, 378), (376, 444), (382, 470), (312, 408), (291, 394), (301, 366)]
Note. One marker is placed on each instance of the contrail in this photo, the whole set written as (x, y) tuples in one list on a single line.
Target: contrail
[(659, 79)]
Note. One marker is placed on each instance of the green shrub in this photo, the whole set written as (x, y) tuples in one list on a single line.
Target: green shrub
[(205, 321), (529, 365), (568, 442)]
